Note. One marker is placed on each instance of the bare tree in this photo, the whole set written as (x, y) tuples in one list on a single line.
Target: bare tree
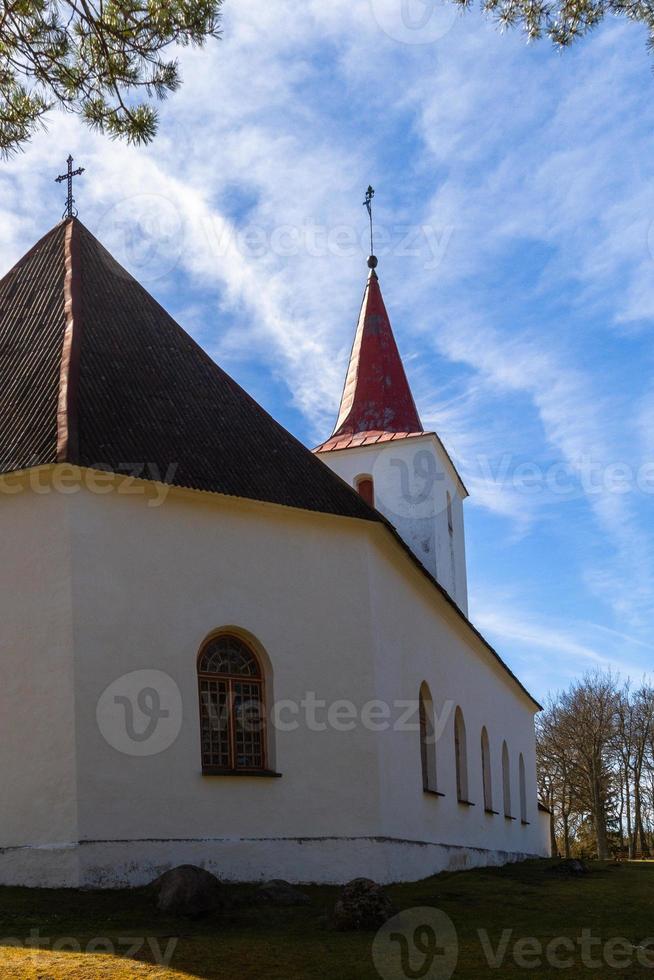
[(595, 745), (555, 759), (625, 749), (577, 739), (643, 714)]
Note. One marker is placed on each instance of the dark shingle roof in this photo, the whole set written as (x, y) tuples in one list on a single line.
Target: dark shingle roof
[(32, 325), (94, 371)]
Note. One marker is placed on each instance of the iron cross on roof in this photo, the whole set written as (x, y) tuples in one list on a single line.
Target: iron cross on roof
[(71, 211)]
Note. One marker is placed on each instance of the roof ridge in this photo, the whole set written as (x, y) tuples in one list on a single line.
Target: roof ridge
[(67, 429)]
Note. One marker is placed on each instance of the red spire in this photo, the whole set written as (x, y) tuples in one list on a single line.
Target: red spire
[(376, 397)]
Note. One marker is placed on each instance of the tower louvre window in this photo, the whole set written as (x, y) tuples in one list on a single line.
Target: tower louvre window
[(366, 489)]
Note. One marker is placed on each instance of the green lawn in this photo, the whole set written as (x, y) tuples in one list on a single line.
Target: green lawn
[(525, 904)]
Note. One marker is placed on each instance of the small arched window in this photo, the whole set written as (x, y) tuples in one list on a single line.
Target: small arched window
[(486, 772), (427, 740), (365, 488), (523, 789), (232, 714), (450, 519), (460, 757), (506, 780)]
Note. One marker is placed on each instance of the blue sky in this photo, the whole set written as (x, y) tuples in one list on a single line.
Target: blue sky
[(515, 215)]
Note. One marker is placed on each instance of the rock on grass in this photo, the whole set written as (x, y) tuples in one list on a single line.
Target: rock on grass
[(362, 904), (186, 891), (570, 866)]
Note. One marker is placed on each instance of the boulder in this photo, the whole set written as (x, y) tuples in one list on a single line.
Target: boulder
[(362, 904), (186, 891), (280, 892), (570, 866)]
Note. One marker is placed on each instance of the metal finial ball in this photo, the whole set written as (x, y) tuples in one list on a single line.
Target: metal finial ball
[(372, 261)]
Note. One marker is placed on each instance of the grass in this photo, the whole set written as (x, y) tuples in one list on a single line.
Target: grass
[(516, 903)]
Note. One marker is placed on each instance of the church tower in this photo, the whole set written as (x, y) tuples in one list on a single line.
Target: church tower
[(379, 447)]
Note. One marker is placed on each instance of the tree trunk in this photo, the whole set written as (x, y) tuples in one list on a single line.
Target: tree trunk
[(554, 847), (630, 843), (566, 833), (644, 846), (638, 817), (599, 819)]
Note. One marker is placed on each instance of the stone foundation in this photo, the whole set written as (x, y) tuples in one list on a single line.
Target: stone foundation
[(301, 860)]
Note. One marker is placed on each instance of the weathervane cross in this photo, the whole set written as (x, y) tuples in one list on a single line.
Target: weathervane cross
[(368, 204), (70, 211)]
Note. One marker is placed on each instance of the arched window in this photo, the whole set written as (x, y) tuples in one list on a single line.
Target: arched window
[(461, 757), (365, 488), (506, 780), (486, 772), (523, 789), (232, 715), (427, 740), (450, 519)]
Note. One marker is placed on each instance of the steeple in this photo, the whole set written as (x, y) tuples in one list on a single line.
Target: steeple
[(380, 448), (376, 399)]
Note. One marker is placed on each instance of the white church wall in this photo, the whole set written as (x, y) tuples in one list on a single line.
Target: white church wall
[(421, 639), (37, 743), (166, 578), (412, 480), (340, 610)]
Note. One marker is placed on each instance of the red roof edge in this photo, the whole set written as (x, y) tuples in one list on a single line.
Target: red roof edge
[(363, 439)]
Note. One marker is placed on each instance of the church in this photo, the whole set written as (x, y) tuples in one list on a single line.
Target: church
[(220, 647)]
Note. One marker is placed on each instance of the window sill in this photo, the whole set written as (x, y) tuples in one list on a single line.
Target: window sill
[(466, 803), (488, 809), (432, 792), (257, 773), (525, 823), (507, 816)]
